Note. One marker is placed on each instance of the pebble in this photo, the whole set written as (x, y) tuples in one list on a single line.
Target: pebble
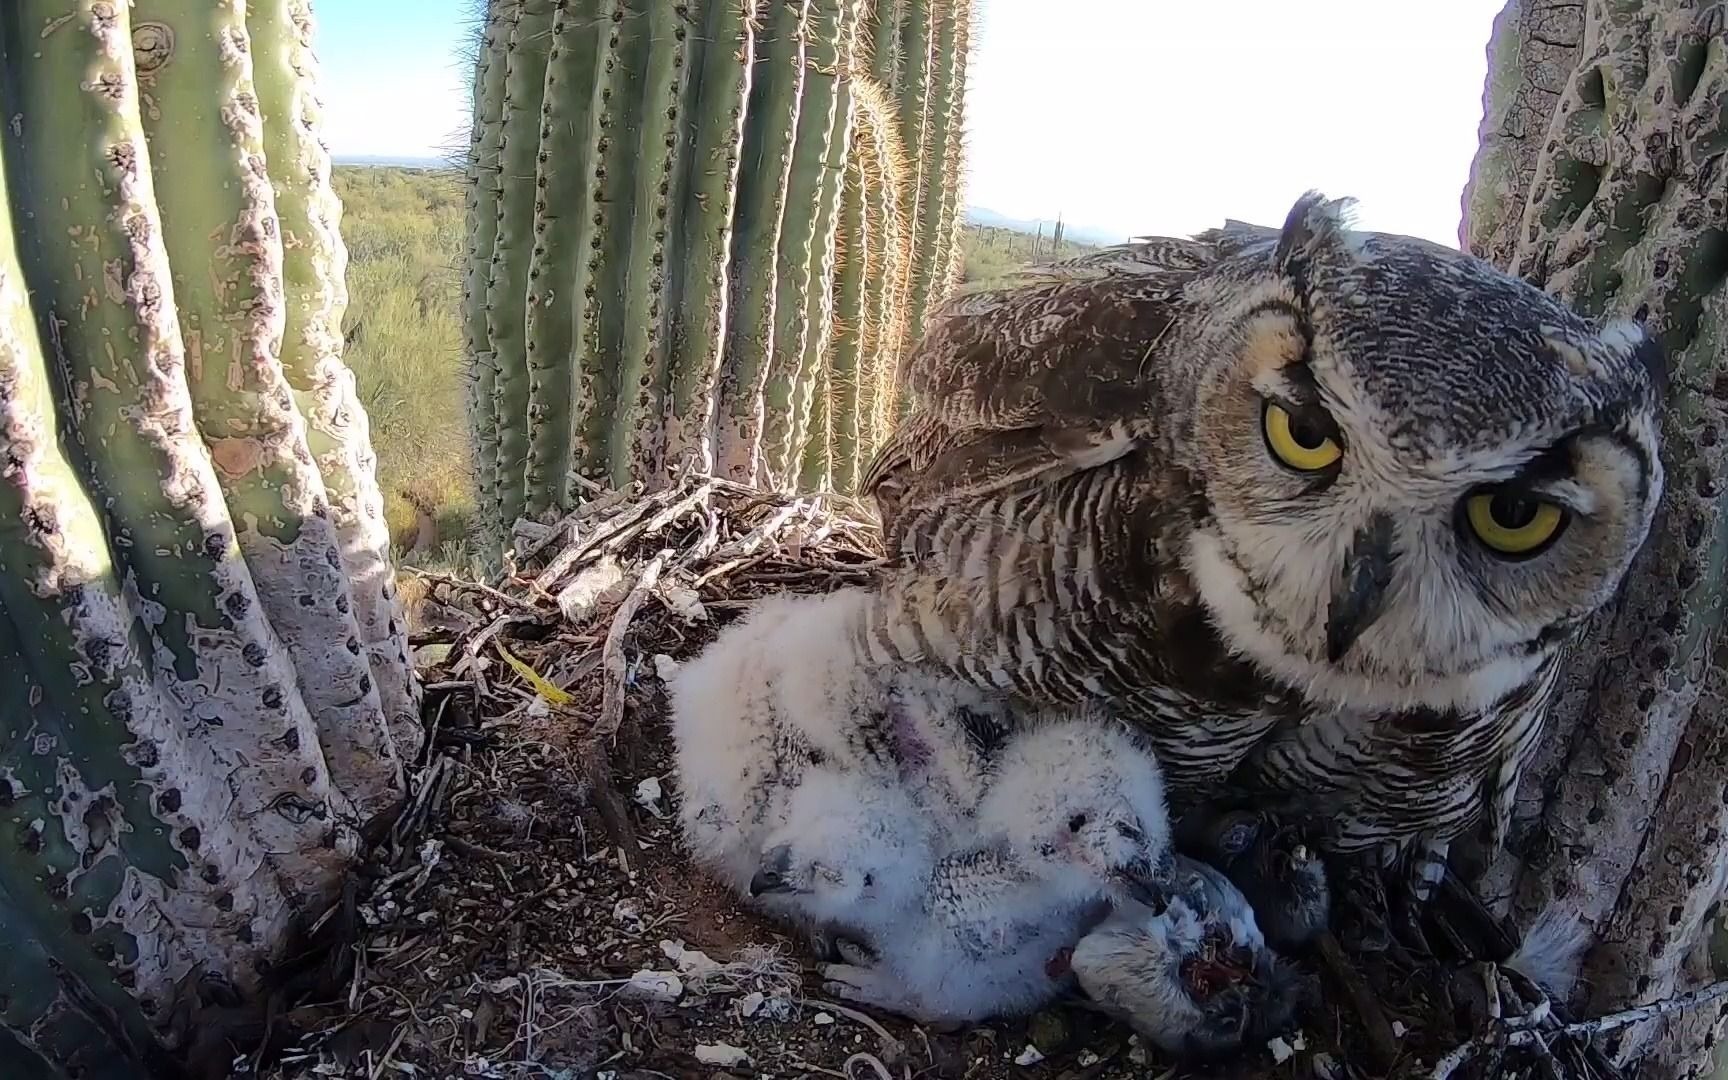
[(721, 1054), (1029, 1056), (749, 1003), (1088, 1059), (821, 1019)]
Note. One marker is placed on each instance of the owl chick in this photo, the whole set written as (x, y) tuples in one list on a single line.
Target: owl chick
[(1319, 509), (1193, 975), (1272, 861), (789, 689), (1074, 812), (852, 857)]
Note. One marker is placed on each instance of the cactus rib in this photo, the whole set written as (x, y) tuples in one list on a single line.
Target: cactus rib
[(564, 227), (771, 120), (802, 244), (485, 180), (933, 170), (641, 363), (506, 294), (337, 430), (699, 284)]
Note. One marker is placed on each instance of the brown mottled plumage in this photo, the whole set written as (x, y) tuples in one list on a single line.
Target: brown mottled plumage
[(1262, 490)]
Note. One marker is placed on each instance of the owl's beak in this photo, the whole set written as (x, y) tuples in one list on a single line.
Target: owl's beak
[(1359, 594)]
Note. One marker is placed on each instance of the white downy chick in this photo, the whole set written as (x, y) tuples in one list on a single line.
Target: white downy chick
[(1075, 809), (1196, 978), (791, 687), (853, 857)]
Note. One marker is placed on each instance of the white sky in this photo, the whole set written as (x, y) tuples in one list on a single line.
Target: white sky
[(1132, 116), (1166, 116)]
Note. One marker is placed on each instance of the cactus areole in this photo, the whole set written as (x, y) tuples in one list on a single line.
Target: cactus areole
[(673, 254), (206, 686)]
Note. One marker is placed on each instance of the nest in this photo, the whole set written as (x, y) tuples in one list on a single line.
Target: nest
[(531, 913)]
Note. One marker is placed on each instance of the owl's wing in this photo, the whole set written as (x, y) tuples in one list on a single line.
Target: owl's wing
[(1029, 383)]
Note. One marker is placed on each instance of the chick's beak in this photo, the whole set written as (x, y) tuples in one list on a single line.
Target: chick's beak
[(768, 881), (770, 876)]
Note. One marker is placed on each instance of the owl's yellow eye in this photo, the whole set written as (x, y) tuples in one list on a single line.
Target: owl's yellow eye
[(1511, 522), (1304, 442)]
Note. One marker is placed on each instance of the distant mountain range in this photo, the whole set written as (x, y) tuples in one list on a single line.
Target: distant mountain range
[(385, 160), (1086, 234)]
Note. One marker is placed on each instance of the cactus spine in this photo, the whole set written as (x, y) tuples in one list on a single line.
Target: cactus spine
[(682, 295), (196, 710), (1622, 210)]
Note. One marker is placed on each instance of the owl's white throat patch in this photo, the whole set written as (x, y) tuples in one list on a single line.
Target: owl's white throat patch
[(1229, 596)]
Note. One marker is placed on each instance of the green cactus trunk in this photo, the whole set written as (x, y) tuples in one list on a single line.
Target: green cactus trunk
[(191, 694), (679, 294), (929, 268), (1623, 212)]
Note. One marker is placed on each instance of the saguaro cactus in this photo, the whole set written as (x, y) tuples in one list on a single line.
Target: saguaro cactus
[(1623, 210), (206, 687), (679, 290)]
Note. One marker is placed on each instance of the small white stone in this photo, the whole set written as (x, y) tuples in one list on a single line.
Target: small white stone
[(821, 1019), (1281, 1051), (664, 666), (685, 603), (648, 796), (1088, 1059), (1398, 1028), (1029, 1056), (648, 985), (749, 1003), (721, 1054), (626, 914)]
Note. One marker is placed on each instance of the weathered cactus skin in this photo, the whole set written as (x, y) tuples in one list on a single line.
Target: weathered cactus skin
[(1624, 211), (180, 581), (681, 291)]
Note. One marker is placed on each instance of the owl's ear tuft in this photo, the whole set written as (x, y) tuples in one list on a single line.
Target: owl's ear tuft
[(1634, 340), (1314, 224)]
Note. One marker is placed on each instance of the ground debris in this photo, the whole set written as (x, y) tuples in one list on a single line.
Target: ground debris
[(532, 912)]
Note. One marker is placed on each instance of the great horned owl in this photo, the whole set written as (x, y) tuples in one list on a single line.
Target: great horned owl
[(1317, 508)]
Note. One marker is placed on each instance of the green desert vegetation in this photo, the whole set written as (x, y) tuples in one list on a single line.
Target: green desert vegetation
[(404, 342)]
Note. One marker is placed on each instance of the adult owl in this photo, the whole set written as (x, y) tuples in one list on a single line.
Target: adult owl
[(1319, 509)]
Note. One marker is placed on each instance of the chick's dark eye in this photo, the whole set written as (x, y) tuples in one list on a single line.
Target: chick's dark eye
[(1077, 822), (869, 880)]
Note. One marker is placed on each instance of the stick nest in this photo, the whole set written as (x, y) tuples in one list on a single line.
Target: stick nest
[(531, 913)]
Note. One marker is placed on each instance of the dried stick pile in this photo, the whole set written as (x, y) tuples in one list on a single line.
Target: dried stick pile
[(530, 912)]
